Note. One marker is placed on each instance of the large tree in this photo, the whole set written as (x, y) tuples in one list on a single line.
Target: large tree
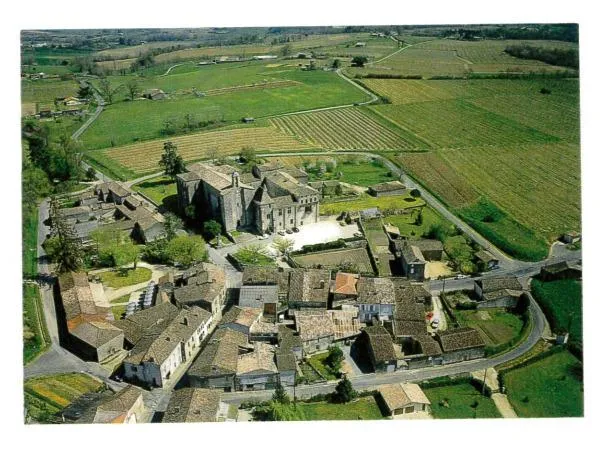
[(171, 161), (283, 244), (335, 358), (359, 61), (172, 224), (133, 88), (107, 90), (186, 250), (280, 395), (68, 252), (344, 391)]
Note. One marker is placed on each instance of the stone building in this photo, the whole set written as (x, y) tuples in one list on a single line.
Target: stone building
[(205, 286), (309, 289), (272, 198), (376, 299), (195, 405), (498, 292), (461, 344), (316, 330), (404, 398), (166, 345)]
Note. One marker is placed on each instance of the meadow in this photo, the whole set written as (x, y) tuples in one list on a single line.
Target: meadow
[(46, 91), (121, 123), (365, 408), (35, 336), (549, 387), (496, 326), (366, 201)]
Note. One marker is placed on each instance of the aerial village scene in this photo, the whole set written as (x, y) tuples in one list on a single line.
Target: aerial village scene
[(301, 223)]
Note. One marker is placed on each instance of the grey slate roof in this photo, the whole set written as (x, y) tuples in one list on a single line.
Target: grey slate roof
[(257, 296)]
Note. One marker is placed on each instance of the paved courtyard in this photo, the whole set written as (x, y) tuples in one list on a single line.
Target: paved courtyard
[(326, 230)]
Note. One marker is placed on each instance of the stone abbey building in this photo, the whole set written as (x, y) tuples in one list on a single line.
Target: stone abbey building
[(269, 199)]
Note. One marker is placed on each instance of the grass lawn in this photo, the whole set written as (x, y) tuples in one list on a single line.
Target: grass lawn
[(30, 229), (361, 409), (35, 335), (359, 172), (251, 256), (158, 189), (460, 399), (318, 362), (495, 325), (309, 374), (406, 222), (116, 280), (45, 396), (123, 299), (550, 387), (366, 201), (561, 301)]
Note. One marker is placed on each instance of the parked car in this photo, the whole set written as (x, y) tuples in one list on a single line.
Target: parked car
[(281, 233), (461, 276), (435, 323), (296, 230), (289, 231)]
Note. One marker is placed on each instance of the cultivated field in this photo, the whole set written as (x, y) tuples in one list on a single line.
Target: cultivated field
[(345, 129), (359, 258), (459, 123), (47, 395), (144, 157), (46, 91), (458, 58)]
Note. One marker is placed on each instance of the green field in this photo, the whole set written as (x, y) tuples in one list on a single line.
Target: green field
[(158, 189), (496, 326), (116, 280), (35, 334), (366, 201), (45, 396), (45, 91), (360, 409), (30, 231), (550, 387), (562, 302), (464, 402), (121, 123)]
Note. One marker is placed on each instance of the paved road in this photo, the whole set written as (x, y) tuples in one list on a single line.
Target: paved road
[(93, 117)]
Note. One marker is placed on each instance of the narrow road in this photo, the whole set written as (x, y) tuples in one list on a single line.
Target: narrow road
[(99, 108), (173, 67)]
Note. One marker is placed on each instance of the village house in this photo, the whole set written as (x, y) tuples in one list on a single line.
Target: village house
[(404, 398), (206, 288), (376, 299), (344, 289), (411, 259), (77, 214), (163, 351), (431, 249), (289, 341), (389, 188), (461, 344), (153, 319), (380, 348), (309, 289), (257, 370), (195, 405), (346, 324), (126, 406), (498, 292), (316, 330), (262, 297), (83, 319), (241, 319), (216, 365), (112, 192), (488, 260), (571, 237), (270, 199), (255, 275)]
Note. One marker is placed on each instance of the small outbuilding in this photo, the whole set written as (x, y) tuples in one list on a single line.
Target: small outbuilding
[(404, 398), (389, 188)]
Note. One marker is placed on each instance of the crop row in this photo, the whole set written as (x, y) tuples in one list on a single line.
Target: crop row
[(348, 128), (144, 157)]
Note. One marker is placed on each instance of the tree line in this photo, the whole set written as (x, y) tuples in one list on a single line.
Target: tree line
[(553, 56)]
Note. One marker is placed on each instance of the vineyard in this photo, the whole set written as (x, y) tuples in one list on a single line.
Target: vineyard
[(458, 123), (344, 129), (538, 184), (439, 178), (253, 86), (144, 157)]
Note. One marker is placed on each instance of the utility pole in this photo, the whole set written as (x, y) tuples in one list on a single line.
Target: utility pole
[(483, 386)]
